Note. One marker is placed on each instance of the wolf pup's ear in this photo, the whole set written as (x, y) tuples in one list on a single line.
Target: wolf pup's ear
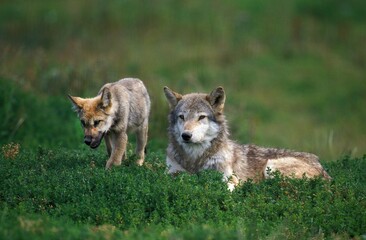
[(217, 99), (77, 103), (173, 97), (106, 98)]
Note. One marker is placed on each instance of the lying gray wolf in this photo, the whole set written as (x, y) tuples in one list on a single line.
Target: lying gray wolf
[(199, 139), (118, 108)]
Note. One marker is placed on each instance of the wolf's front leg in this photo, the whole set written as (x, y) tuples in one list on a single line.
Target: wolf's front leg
[(230, 178), (173, 166), (232, 182), (119, 143), (141, 143)]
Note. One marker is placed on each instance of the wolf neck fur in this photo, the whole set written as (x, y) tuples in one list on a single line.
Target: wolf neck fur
[(193, 156)]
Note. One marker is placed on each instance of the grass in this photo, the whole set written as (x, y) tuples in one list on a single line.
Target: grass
[(45, 191), (294, 77)]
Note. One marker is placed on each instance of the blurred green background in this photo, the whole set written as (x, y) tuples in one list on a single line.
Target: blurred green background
[(293, 70)]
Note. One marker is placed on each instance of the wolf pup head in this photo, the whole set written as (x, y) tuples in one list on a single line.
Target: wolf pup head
[(196, 118), (94, 115)]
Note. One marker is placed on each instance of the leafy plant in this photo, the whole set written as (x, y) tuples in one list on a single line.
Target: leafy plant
[(73, 185)]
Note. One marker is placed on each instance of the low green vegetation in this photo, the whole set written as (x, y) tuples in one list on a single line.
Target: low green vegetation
[(36, 121), (63, 193)]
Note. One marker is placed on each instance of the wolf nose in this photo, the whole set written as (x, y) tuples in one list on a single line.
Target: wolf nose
[(186, 136), (87, 140)]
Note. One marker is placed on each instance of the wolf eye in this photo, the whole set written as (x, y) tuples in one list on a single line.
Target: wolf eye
[(96, 122), (181, 116), (201, 117), (82, 123)]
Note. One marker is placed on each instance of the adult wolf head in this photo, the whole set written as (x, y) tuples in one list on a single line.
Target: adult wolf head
[(195, 118)]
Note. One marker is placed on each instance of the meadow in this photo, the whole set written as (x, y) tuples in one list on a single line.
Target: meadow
[(294, 75)]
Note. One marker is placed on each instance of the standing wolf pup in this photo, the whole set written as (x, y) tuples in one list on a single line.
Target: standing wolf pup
[(199, 139), (118, 108)]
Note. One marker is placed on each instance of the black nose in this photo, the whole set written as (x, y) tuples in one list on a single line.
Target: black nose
[(87, 140), (186, 136)]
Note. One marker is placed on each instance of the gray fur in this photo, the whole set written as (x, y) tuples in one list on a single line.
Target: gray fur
[(220, 153)]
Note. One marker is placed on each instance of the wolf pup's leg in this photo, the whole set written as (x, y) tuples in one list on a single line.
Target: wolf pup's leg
[(108, 143), (119, 143), (141, 143)]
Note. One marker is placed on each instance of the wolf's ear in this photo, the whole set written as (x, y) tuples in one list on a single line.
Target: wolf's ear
[(77, 103), (106, 98), (173, 97), (217, 99)]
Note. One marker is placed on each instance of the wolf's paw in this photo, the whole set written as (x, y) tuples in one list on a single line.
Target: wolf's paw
[(233, 181), (108, 166), (111, 163), (140, 162), (117, 163), (230, 186)]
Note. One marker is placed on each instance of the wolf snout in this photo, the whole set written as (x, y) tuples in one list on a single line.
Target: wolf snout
[(87, 140), (186, 136)]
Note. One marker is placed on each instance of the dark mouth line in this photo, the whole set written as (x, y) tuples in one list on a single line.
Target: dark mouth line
[(192, 143), (100, 141)]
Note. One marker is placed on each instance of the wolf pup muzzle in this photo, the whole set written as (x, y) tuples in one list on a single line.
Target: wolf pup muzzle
[(94, 142)]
